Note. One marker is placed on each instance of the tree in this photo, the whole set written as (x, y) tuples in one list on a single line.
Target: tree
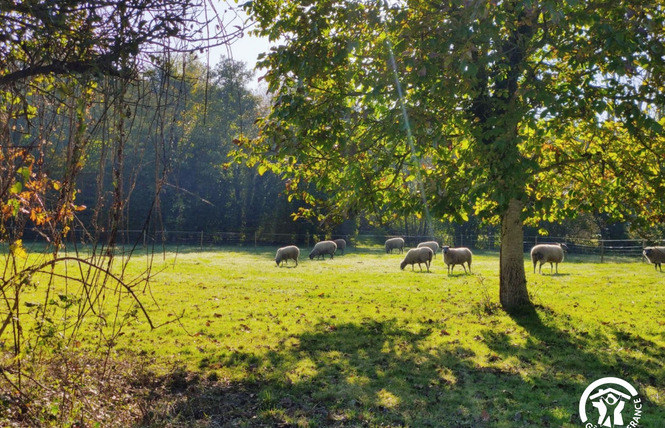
[(517, 111), (73, 37), (69, 88)]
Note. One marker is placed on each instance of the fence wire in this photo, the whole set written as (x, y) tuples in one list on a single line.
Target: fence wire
[(604, 249)]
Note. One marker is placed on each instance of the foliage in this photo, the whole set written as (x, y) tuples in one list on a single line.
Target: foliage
[(514, 110), (70, 90)]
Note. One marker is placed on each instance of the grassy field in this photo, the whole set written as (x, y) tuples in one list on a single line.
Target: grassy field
[(355, 341)]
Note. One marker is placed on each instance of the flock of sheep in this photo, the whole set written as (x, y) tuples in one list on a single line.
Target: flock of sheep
[(426, 251)]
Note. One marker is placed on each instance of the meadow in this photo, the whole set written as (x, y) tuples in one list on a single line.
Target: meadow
[(355, 341)]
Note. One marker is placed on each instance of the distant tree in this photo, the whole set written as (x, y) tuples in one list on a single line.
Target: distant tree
[(517, 111)]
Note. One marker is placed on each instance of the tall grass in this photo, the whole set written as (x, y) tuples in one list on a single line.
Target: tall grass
[(356, 341)]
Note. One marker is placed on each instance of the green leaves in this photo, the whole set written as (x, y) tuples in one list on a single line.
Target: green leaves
[(515, 101)]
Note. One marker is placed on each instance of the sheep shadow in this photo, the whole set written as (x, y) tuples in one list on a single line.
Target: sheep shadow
[(460, 274), (554, 274), (419, 271)]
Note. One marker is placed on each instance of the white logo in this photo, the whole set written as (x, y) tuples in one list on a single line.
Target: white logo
[(610, 396)]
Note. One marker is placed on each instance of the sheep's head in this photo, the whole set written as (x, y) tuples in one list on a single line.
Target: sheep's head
[(564, 247), (402, 265), (445, 249)]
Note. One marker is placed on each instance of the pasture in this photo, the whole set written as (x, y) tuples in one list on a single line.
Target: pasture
[(355, 341)]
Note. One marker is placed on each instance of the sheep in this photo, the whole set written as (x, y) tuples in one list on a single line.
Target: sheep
[(456, 256), (547, 253), (417, 255), (341, 244), (393, 243), (431, 244), (322, 248), (655, 255), (285, 253)]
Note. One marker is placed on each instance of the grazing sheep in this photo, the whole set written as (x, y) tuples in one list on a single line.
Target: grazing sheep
[(393, 243), (285, 253), (655, 255), (457, 256), (430, 244), (322, 248), (547, 253), (341, 244), (417, 255)]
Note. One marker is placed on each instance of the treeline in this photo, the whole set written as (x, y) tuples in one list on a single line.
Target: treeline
[(178, 124)]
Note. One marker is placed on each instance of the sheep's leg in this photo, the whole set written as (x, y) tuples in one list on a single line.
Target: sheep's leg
[(464, 267), (469, 267)]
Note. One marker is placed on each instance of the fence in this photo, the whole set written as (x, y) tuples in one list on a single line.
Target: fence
[(603, 249)]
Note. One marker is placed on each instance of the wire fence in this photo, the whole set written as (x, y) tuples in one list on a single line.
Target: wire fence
[(603, 249)]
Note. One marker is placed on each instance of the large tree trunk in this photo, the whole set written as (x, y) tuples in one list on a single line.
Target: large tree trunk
[(512, 287)]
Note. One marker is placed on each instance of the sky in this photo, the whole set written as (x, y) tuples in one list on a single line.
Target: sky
[(245, 49)]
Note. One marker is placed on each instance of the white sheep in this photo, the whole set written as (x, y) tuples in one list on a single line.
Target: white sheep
[(457, 256), (322, 248), (285, 254), (431, 244), (417, 255), (547, 253), (394, 243), (655, 255), (341, 244)]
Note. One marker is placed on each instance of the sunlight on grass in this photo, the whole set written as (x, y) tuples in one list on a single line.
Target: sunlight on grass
[(370, 343)]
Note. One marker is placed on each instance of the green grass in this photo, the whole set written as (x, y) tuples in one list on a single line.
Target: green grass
[(356, 341)]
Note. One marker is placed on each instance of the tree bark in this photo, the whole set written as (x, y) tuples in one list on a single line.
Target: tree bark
[(512, 286)]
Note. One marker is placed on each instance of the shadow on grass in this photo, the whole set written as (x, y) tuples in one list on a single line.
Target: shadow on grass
[(573, 354), (374, 373)]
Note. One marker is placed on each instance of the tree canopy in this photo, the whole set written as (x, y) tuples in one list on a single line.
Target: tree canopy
[(516, 111)]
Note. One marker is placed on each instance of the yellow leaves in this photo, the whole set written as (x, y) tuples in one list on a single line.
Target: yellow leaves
[(16, 188), (18, 250), (39, 217)]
